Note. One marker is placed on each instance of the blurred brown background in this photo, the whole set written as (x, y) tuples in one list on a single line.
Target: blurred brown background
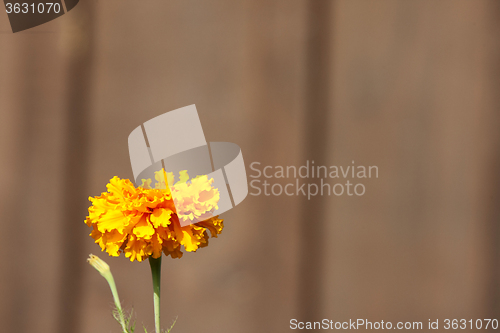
[(409, 86)]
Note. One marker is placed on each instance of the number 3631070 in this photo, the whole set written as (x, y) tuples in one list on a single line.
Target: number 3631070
[(40, 8)]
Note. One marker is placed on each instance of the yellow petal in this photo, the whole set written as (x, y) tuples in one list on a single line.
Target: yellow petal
[(160, 217), (112, 220)]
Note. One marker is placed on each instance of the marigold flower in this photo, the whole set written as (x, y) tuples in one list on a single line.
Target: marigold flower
[(144, 221)]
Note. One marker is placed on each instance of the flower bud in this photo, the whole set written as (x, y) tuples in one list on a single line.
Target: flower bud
[(99, 264)]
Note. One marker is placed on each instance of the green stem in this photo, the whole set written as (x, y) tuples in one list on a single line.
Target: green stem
[(111, 281), (156, 273), (103, 269)]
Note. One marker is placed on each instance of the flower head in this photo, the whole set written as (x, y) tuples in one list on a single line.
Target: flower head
[(144, 221)]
